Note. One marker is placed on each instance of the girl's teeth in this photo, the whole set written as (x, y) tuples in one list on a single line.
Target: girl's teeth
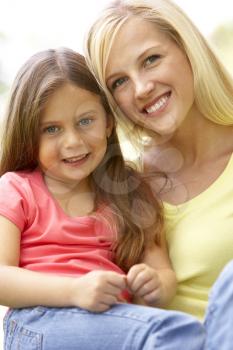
[(73, 160), (157, 105)]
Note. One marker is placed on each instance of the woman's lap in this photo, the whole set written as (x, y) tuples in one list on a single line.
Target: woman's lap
[(122, 327), (219, 316)]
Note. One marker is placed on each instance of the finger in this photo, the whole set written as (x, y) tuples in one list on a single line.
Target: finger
[(148, 288), (101, 307), (102, 302), (117, 280), (121, 299), (109, 299), (134, 271), (140, 280), (113, 290), (132, 275), (152, 297)]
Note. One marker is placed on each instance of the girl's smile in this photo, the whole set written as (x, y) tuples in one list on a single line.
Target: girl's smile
[(76, 161), (73, 135)]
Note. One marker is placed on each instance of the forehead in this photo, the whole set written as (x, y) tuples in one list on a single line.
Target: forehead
[(133, 38), (71, 98), (136, 27)]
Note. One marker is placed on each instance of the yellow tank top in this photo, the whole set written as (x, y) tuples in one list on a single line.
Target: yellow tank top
[(200, 239)]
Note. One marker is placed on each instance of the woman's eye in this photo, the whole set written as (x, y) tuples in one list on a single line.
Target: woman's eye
[(118, 83), (51, 129), (85, 122), (151, 59)]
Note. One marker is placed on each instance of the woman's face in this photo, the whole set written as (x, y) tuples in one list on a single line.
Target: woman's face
[(150, 77)]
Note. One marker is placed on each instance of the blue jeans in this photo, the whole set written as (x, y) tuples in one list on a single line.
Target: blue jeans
[(123, 327), (219, 316)]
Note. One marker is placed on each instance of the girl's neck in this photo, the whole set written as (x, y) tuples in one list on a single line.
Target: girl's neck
[(75, 199)]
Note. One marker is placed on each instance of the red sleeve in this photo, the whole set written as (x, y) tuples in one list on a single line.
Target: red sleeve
[(13, 199)]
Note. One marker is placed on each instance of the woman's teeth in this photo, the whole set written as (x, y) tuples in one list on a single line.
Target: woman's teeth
[(162, 101)]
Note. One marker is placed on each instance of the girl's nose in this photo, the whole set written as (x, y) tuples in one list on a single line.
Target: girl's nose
[(72, 139)]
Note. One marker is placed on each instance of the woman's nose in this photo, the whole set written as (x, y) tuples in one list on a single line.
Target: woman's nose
[(143, 87)]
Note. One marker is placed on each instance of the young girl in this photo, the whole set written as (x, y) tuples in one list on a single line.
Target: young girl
[(80, 230)]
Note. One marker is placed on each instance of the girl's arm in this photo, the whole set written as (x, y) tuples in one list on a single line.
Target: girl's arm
[(153, 282), (96, 291)]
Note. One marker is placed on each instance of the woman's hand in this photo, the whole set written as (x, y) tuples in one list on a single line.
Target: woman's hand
[(144, 282), (97, 291)]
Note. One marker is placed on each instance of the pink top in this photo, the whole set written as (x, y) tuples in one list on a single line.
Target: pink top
[(52, 241)]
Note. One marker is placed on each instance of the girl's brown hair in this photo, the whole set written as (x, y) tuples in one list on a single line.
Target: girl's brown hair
[(138, 213)]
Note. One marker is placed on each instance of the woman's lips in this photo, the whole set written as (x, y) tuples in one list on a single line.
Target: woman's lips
[(157, 105)]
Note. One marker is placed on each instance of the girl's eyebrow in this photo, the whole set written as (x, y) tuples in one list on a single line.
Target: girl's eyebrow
[(49, 122), (86, 113)]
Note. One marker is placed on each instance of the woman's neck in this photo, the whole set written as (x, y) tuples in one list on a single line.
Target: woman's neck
[(192, 160), (199, 140)]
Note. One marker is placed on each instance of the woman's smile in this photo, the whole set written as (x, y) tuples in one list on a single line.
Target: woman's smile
[(158, 105), (151, 81)]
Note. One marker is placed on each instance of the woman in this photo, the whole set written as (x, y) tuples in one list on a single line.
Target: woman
[(162, 78)]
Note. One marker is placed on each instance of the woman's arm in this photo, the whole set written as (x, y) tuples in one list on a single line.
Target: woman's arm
[(96, 291)]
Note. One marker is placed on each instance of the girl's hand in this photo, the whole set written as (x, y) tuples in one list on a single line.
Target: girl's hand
[(97, 291), (143, 282)]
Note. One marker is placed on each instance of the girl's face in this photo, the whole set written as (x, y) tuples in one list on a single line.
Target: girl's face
[(73, 135), (150, 77)]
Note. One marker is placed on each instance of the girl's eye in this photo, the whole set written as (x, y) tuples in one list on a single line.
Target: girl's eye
[(51, 129), (119, 82), (151, 59), (85, 122)]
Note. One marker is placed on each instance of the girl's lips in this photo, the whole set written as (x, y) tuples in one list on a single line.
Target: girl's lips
[(157, 104), (73, 161)]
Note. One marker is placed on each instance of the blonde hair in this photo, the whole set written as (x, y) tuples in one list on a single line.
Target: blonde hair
[(213, 85)]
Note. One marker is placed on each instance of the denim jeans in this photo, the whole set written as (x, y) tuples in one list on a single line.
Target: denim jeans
[(123, 327), (219, 316)]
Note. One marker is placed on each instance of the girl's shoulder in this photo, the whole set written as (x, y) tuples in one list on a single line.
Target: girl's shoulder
[(20, 179), (21, 174)]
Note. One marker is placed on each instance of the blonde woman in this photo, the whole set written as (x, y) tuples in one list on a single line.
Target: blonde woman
[(162, 79)]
